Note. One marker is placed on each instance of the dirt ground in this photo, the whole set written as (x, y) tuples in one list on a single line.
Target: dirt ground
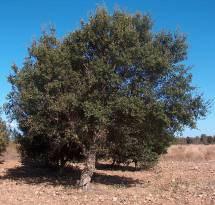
[(186, 175)]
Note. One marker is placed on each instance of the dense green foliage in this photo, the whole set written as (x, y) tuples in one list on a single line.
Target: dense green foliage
[(113, 86), (4, 136)]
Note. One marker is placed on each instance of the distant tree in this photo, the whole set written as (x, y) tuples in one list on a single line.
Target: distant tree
[(203, 139), (4, 136), (189, 140), (209, 139), (111, 84)]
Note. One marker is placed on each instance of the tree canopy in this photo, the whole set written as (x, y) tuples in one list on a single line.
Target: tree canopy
[(113, 85)]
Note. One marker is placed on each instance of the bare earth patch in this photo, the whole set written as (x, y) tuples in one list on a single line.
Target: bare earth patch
[(186, 175)]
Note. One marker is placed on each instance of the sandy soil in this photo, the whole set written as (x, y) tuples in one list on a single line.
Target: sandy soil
[(186, 175)]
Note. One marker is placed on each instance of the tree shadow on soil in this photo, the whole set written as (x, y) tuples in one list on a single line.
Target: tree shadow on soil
[(34, 175), (107, 166)]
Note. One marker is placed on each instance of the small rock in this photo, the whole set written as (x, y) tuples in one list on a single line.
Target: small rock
[(114, 199), (75, 197), (101, 198)]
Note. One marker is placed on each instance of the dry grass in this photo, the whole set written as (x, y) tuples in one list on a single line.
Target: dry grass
[(191, 152)]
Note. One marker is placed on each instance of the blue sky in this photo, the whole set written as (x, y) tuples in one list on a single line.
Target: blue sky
[(21, 21)]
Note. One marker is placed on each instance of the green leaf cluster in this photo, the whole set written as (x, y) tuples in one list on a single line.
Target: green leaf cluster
[(4, 136)]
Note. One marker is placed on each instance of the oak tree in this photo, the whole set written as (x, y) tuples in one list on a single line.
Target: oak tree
[(112, 84)]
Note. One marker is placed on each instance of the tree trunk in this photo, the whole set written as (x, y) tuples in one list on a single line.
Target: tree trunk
[(89, 169), (61, 164)]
